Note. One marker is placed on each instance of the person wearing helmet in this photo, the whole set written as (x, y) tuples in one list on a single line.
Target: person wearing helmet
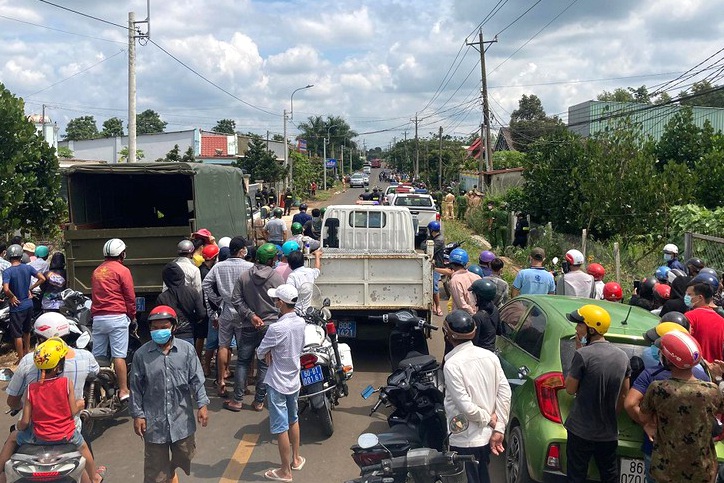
[(522, 230), (707, 327), (487, 318), (576, 282), (485, 258), (224, 242), (275, 230), (612, 292), (113, 309), (476, 387), (282, 265), (56, 280), (597, 271), (313, 227), (678, 291), (200, 239), (218, 289), (257, 311), (40, 263), (659, 371), (662, 274), (650, 355), (671, 257), (302, 217), (46, 419), (185, 260), (306, 243), (288, 201), (535, 279), (599, 378), (17, 285), (684, 448), (643, 296), (366, 196), (460, 282), (662, 293), (187, 302), (694, 265), (272, 197), (502, 287), (376, 195), (434, 233), (476, 269), (201, 330), (167, 374)]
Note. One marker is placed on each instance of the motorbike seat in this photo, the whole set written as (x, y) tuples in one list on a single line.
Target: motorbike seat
[(399, 436), (420, 362), (103, 361), (38, 449)]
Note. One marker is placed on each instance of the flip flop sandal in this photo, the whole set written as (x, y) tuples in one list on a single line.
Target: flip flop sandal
[(258, 406), (301, 465), (271, 474), (101, 471), (231, 406), (220, 389)]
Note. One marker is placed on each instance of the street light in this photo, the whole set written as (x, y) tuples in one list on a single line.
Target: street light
[(324, 159), (286, 144)]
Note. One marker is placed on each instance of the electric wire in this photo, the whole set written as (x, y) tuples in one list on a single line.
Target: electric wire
[(125, 27), (60, 30), (518, 18)]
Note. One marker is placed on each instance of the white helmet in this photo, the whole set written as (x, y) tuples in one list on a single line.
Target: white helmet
[(185, 247), (224, 242), (53, 324), (114, 247), (574, 257), (671, 248)]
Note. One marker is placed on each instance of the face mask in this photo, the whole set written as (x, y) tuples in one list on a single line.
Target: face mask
[(276, 264), (584, 340), (161, 336), (687, 301), (668, 257), (655, 352)]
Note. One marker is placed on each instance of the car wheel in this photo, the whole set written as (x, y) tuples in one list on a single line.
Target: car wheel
[(516, 467)]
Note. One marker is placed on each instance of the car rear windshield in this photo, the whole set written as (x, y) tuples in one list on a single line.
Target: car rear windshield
[(633, 351), (413, 201)]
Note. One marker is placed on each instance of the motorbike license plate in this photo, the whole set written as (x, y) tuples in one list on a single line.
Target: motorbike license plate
[(347, 329), (310, 376), (140, 304), (632, 471)]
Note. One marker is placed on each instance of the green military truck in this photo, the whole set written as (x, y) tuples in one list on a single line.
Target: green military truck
[(151, 207)]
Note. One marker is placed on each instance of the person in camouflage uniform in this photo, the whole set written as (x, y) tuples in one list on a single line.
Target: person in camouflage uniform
[(500, 227), (461, 205)]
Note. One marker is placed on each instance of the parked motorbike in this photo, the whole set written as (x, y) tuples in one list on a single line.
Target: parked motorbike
[(446, 255), (409, 334), (4, 319), (326, 365)]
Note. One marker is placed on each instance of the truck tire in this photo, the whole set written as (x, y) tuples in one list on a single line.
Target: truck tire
[(325, 417)]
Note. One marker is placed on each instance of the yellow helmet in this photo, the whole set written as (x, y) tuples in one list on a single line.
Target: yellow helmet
[(593, 316), (661, 329), (49, 354)]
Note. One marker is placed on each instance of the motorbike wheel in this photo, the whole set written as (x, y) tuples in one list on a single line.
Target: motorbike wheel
[(516, 466), (325, 416)]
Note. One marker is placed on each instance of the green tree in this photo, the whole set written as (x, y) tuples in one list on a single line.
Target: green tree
[(83, 127), (189, 156), (149, 122), (278, 137), (305, 171), (335, 129), (30, 196), (529, 122), (708, 95), (639, 94), (124, 154), (112, 128), (710, 172), (172, 156), (261, 163), (225, 126), (681, 140), (65, 152)]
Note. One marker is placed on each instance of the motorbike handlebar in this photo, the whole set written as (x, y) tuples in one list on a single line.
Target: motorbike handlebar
[(376, 406), (430, 326)]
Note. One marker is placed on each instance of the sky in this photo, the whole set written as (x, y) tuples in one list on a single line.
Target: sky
[(376, 63)]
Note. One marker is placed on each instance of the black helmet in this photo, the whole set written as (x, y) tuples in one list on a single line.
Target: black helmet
[(677, 318), (647, 287), (459, 325), (484, 290), (696, 263), (303, 207)]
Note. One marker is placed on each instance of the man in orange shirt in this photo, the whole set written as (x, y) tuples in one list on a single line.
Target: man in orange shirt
[(113, 309)]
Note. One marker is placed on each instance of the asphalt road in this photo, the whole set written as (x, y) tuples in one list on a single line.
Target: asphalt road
[(239, 446)]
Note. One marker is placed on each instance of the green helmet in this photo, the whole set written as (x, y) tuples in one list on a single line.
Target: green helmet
[(322, 210), (265, 253), (41, 251), (367, 190), (484, 289), (278, 212), (297, 228)]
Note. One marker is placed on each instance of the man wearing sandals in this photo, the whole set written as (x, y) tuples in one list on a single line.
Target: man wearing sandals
[(280, 349)]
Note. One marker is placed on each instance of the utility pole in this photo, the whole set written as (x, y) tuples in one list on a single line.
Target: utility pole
[(485, 127), (417, 149), (133, 34), (439, 164)]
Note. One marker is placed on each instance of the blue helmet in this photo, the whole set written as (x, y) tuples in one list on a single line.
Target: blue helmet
[(433, 226), (476, 270), (289, 247), (459, 256), (708, 279), (662, 273)]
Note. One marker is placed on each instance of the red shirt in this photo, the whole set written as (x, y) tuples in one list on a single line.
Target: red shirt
[(112, 290), (51, 416), (707, 327)]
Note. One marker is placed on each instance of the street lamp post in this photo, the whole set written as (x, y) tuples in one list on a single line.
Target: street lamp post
[(324, 161), (286, 144)]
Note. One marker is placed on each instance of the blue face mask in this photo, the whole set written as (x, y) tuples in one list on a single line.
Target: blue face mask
[(161, 336), (584, 340), (668, 257), (687, 301), (655, 352)]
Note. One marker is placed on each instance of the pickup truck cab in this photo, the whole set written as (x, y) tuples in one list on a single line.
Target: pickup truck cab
[(423, 210), (357, 180)]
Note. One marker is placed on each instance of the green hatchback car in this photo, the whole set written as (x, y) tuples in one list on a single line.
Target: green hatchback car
[(536, 351)]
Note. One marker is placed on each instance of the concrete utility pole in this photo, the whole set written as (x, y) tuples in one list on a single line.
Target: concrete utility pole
[(439, 164), (485, 127), (288, 179), (417, 148), (133, 34)]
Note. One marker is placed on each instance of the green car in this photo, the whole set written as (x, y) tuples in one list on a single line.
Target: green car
[(536, 351)]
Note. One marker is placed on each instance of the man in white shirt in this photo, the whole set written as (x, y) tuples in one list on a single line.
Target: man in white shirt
[(192, 274), (476, 388), (301, 276), (576, 282)]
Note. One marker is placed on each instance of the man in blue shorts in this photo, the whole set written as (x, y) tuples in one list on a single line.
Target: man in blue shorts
[(281, 348), (536, 279)]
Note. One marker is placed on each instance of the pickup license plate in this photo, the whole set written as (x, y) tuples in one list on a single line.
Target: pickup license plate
[(347, 329), (632, 471), (310, 376)]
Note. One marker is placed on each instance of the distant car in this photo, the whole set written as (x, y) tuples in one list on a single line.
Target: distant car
[(366, 180), (422, 207), (357, 180), (367, 169)]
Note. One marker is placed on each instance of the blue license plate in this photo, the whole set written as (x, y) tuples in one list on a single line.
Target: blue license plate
[(347, 329), (311, 376), (140, 304)]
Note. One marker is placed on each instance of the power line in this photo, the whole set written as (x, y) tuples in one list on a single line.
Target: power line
[(519, 17), (583, 81), (60, 30), (124, 27)]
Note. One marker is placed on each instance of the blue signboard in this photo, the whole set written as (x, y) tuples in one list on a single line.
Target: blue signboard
[(331, 163)]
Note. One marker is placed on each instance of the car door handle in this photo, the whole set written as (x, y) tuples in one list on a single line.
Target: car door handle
[(523, 372)]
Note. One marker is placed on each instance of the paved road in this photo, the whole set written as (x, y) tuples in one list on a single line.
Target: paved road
[(239, 447)]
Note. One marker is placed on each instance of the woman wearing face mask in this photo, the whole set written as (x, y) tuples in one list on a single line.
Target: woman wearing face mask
[(186, 301)]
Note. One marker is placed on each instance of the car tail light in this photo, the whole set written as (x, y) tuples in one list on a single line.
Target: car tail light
[(437, 216), (546, 390), (553, 458), (331, 329), (369, 458), (308, 361)]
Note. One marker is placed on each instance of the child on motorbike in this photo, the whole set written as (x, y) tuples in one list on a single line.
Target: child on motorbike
[(50, 406)]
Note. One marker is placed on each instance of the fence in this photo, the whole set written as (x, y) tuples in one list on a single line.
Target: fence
[(709, 248)]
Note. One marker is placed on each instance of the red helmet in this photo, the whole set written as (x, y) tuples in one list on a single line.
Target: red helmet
[(202, 233), (612, 291), (663, 291), (596, 270), (163, 312), (680, 349), (210, 251)]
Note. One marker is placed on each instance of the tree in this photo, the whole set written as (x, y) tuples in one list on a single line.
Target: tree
[(708, 95), (305, 171), (112, 128), (639, 95), (65, 152), (710, 169), (189, 156), (681, 141), (530, 122), (83, 127), (260, 163), (124, 154), (225, 126), (278, 137), (172, 156), (30, 192), (149, 122), (335, 129)]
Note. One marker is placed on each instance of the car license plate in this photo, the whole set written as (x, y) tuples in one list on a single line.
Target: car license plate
[(310, 376), (632, 471), (347, 329)]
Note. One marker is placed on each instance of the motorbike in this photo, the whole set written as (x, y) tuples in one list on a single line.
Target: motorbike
[(446, 255), (326, 366), (4, 319), (409, 334)]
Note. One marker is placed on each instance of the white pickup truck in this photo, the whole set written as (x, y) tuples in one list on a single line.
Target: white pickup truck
[(423, 210), (370, 267)]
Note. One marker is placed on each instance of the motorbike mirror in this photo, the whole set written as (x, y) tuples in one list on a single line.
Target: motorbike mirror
[(6, 374), (310, 310), (367, 440), (458, 424), (326, 302), (82, 341), (555, 260), (66, 293)]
